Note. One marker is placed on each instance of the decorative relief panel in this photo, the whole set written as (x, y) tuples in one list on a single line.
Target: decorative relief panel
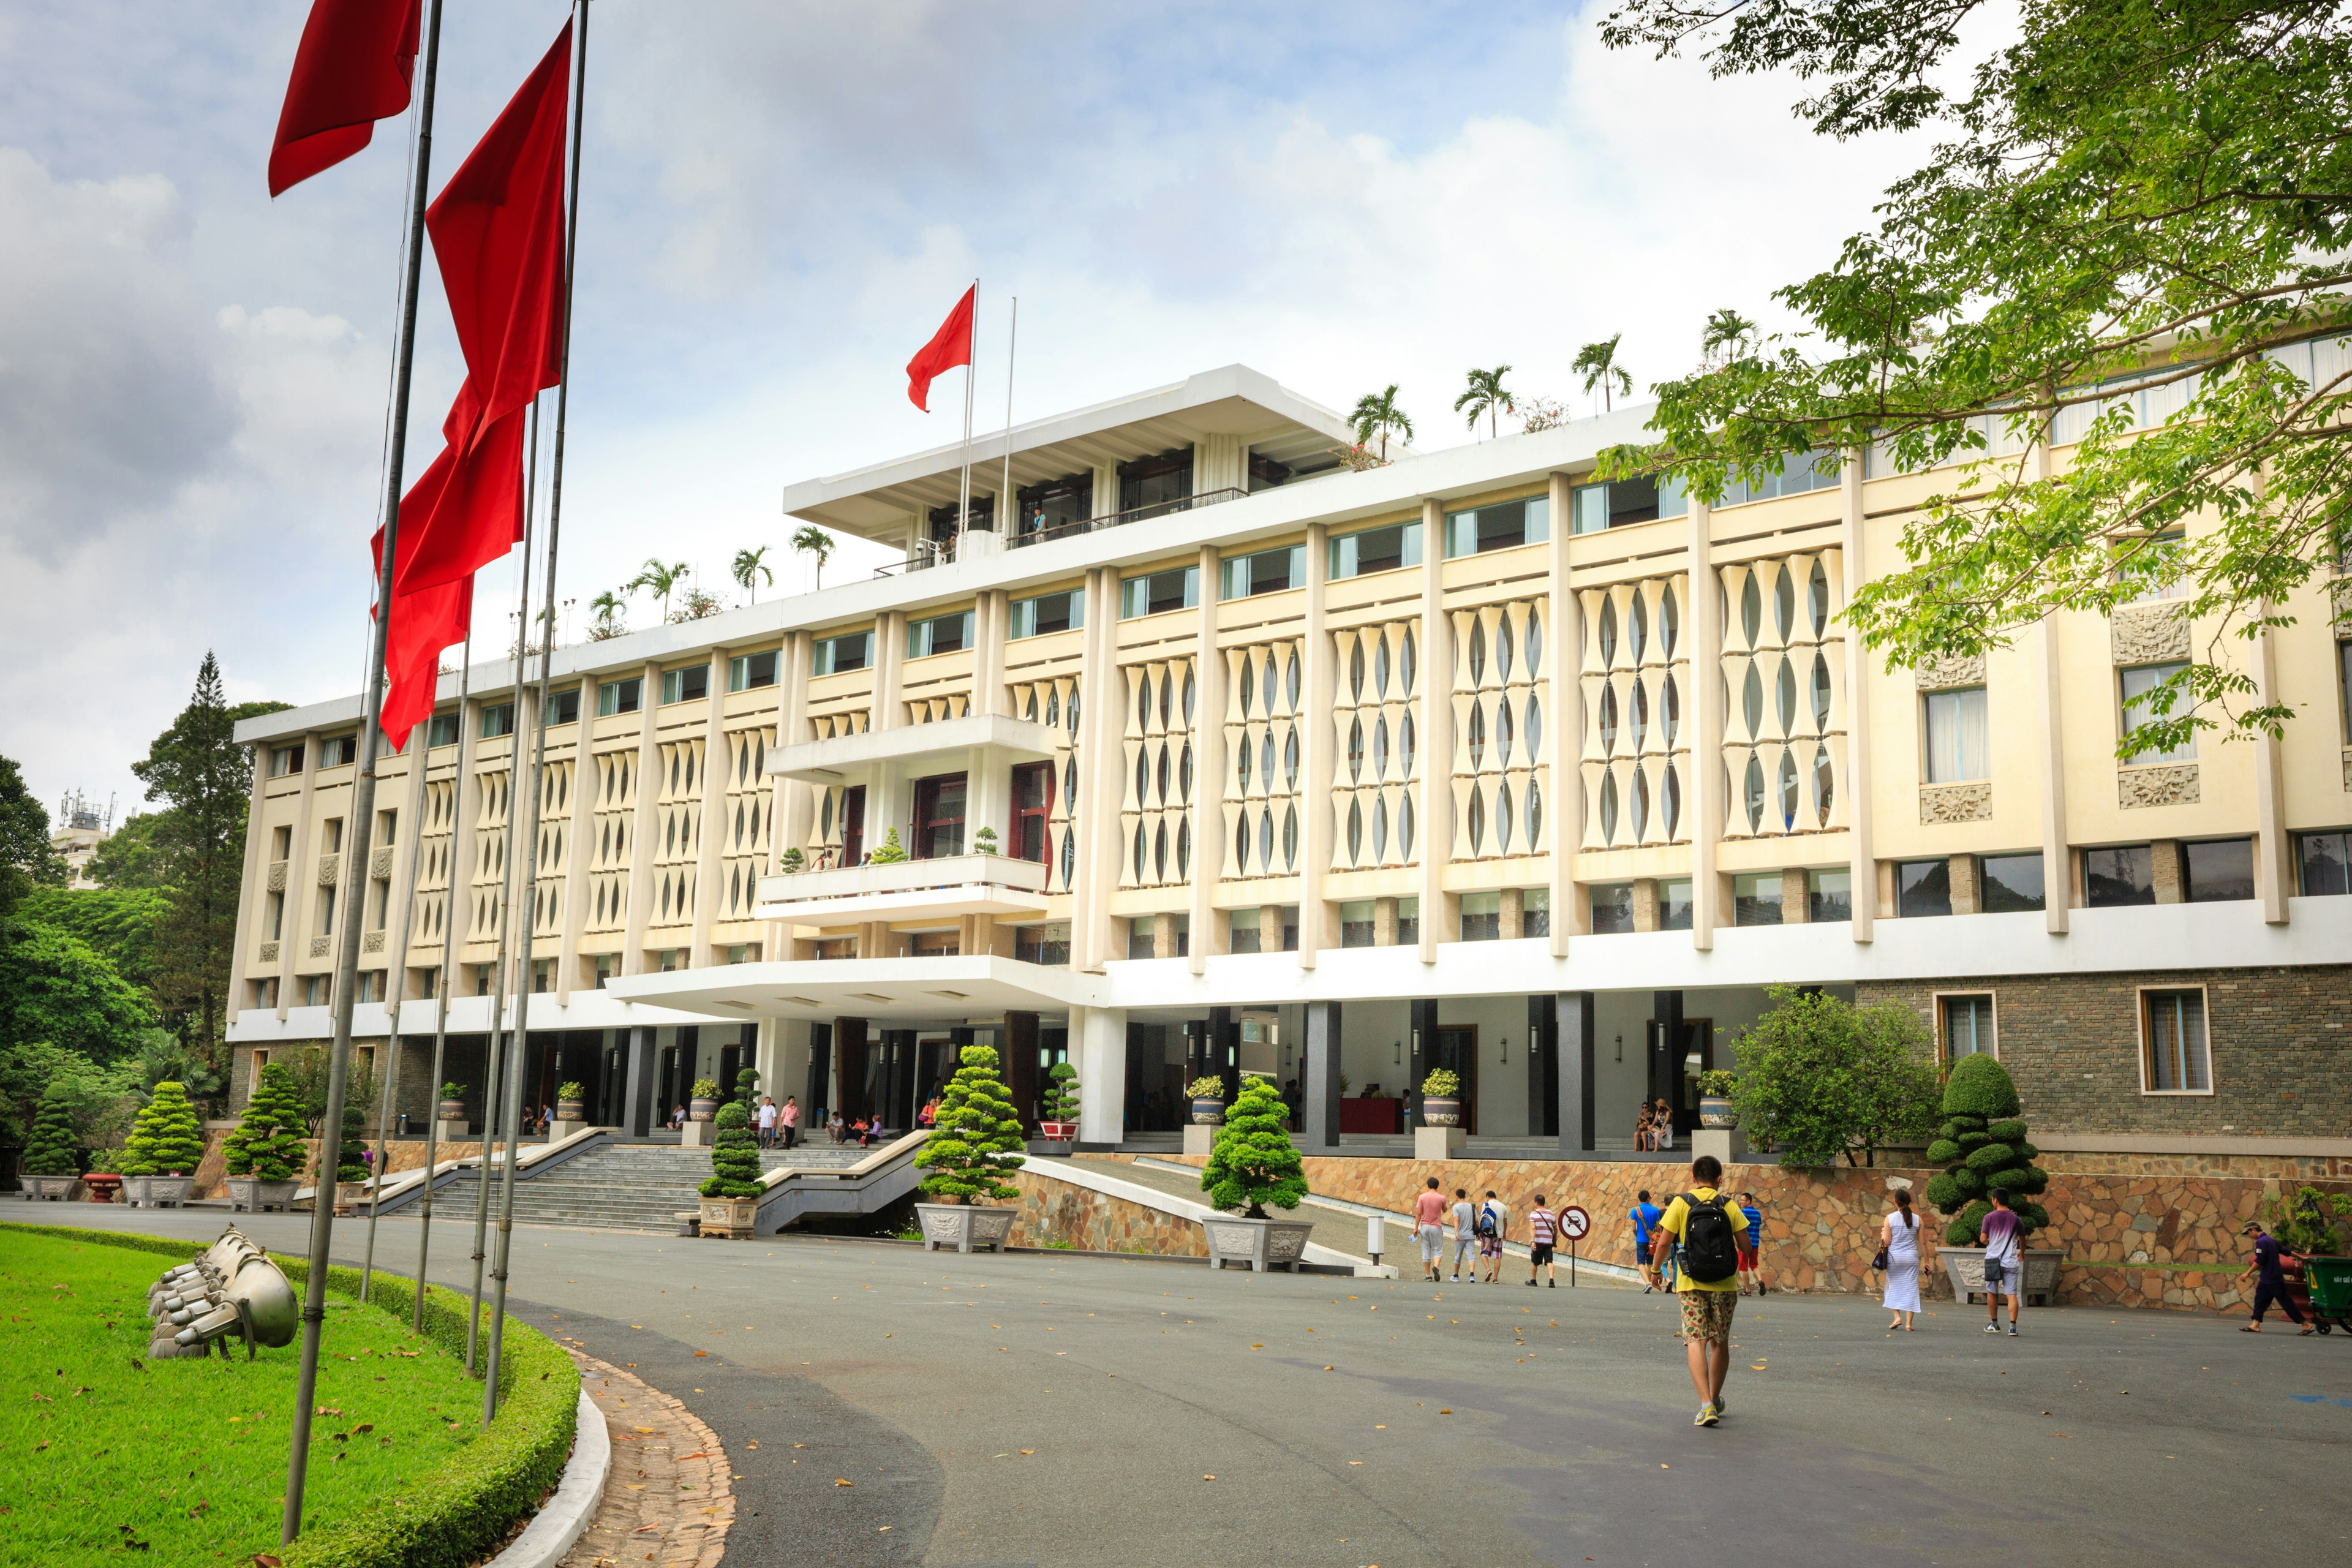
[(678, 831), (435, 846), (331, 869), (320, 946), (371, 942), (276, 879), (1783, 664), (1375, 747), (1500, 704), (269, 950), (1054, 703), (1264, 736), (380, 860), (554, 834), (2148, 634), (1635, 754), (1957, 669), (744, 829), (614, 825), (1155, 818), (1955, 802), (2165, 784), (491, 790)]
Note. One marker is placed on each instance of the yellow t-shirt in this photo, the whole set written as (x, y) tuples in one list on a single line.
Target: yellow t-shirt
[(1676, 1217)]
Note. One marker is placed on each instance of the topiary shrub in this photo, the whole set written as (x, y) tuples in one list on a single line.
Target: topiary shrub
[(747, 1088), (793, 863), (1253, 1161), (1442, 1083), (889, 852), (1062, 1093), (1982, 1145), (734, 1156), (166, 1140), (269, 1141), (351, 1153), (51, 1150), (976, 1140)]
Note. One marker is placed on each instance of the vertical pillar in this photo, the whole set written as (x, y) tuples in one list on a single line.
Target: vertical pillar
[(256, 896), (1862, 855), (583, 838), (301, 879), (1209, 778), (1225, 1051), (398, 892), (889, 667), (820, 1077), (1020, 1067), (1420, 1056), (711, 824), (1321, 687), (2273, 865), (645, 828), (1434, 843), (2057, 878), (1706, 724), (1099, 1037), (849, 1049), (637, 1104), (1574, 1053), (1564, 779), (1665, 1044), (1319, 1125), (1102, 714)]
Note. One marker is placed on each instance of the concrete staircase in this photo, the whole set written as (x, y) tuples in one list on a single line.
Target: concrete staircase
[(620, 1187)]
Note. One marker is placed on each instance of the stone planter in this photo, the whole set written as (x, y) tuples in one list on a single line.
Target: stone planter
[(351, 1197), (1208, 1113), (160, 1192), (449, 1111), (1964, 1267), (1715, 1110), (728, 1219), (1051, 1148), (571, 1110), (49, 1189), (99, 1187), (1436, 1112), (1058, 1132), (251, 1194), (964, 1227), (700, 1109), (1260, 1243)]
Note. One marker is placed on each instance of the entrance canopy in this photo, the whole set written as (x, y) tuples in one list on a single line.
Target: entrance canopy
[(901, 992)]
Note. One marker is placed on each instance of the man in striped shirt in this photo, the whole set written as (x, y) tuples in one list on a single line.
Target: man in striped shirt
[(1543, 1229)]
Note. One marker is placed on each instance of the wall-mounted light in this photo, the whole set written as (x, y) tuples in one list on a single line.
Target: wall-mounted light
[(1620, 1047), (1400, 1053), (1506, 1043)]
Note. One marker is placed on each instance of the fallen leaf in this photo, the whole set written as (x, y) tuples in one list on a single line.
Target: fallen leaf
[(837, 1481), (1028, 1451), (647, 1430), (1208, 1478)]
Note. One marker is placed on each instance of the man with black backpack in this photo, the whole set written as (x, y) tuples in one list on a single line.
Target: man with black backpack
[(1709, 1231)]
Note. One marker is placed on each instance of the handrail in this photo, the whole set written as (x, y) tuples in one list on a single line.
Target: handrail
[(1121, 519)]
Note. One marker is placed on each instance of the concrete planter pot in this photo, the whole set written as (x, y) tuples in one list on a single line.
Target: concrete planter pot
[(160, 1192), (964, 1227), (449, 1111), (1208, 1113), (1715, 1110), (1964, 1269), (1051, 1148), (571, 1110), (1058, 1132), (1440, 1112), (699, 1110), (728, 1219), (1260, 1243), (49, 1189), (351, 1197), (100, 1187), (251, 1194)]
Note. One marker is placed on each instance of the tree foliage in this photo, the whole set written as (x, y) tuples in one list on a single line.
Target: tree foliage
[(119, 924), (1821, 1077), (1982, 1145), (734, 1155), (1376, 416), (1483, 396), (1062, 1093), (1252, 1162), (132, 858), (166, 1140), (2133, 232), (976, 1140), (57, 989), (26, 861), (269, 1141), (351, 1149), (51, 1149)]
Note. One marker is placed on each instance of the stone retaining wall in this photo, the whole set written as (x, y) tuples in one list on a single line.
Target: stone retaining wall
[(1063, 1214), (400, 1154)]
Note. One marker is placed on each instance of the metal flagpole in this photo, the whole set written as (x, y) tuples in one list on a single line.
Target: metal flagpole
[(1006, 526), (441, 985), (539, 739), (970, 370), (347, 961), (395, 981)]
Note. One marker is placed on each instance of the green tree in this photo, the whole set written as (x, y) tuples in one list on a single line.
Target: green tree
[(750, 567), (166, 1140), (351, 1151), (269, 1141), (55, 988), (1253, 1161), (658, 580), (1982, 1145), (611, 616), (1485, 398), (1597, 362), (1728, 334), (1377, 415), (889, 852), (1062, 1095), (132, 858), (2132, 228), (119, 924), (811, 540), (51, 1149), (100, 1098), (26, 861), (734, 1155), (1821, 1077), (976, 1141)]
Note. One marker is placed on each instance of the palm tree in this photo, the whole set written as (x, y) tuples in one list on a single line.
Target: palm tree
[(1485, 397), (813, 540), (609, 607), (658, 579), (1377, 413), (1727, 329), (749, 565), (1598, 362)]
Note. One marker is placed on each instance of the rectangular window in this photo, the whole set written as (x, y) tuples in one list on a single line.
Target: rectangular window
[(428, 983), (497, 718), (1535, 911), (1755, 899), (2139, 707), (1156, 486), (687, 683), (747, 670), (1594, 508), (1241, 930), (370, 986), (542, 976), (1289, 914), (837, 947), (281, 841), (444, 732), (1357, 926), (1139, 937), (1505, 525), (1923, 887), (285, 760), (2343, 685), (2215, 870), (1482, 917), (608, 965), (1957, 743), (1267, 572), (2175, 1058), (341, 751), (1058, 504), (934, 944), (2011, 884), (1047, 944), (1612, 907), (1799, 473), (1183, 937), (743, 953), (938, 816), (331, 837), (277, 916), (1376, 550), (1829, 895), (620, 697), (1964, 1026), (1062, 612), (1178, 588), (838, 655), (2118, 875), (2326, 859), (484, 975), (1675, 905), (2164, 547), (1033, 809), (562, 707), (940, 634)]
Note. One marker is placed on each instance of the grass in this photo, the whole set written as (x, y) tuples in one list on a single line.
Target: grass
[(106, 1455)]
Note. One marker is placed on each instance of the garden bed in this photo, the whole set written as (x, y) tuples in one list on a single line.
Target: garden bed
[(109, 1454)]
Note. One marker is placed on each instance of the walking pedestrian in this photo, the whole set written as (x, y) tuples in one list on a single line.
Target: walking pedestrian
[(1702, 1222), (790, 1118), (2268, 1271), (1543, 1230), (1901, 1256), (1644, 1216), (1494, 1219), (2004, 1272), (1428, 1209), (1751, 1260), (1465, 1235)]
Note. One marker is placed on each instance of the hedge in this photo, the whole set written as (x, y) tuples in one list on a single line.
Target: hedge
[(462, 1510)]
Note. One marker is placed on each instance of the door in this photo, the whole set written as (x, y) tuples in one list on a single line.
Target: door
[(1458, 1050), (730, 1062), (1033, 808), (853, 826), (938, 816)]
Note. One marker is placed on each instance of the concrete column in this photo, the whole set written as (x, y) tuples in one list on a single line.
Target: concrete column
[(401, 890), (1433, 840), (1706, 724), (1209, 775), (1320, 685), (1106, 497), (2274, 862), (583, 835), (643, 1058), (890, 669), (1099, 1037), (301, 879), (249, 906), (992, 619), (1102, 711), (1967, 876), (1577, 1072), (1564, 781), (2165, 872), (464, 843), (711, 836), (1419, 1054), (1021, 1073), (2055, 866), (1318, 1123), (645, 828), (1646, 904), (1861, 861), (1269, 928)]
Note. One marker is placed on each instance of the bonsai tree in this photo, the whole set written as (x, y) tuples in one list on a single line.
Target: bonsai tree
[(351, 1154), (793, 863), (976, 1140), (167, 1140), (747, 1086), (1253, 1161), (49, 1152), (1208, 1086), (268, 1143), (572, 1091), (1981, 1146), (1062, 1093), (889, 852), (984, 841), (706, 1089), (734, 1156), (1825, 1078), (1440, 1084)]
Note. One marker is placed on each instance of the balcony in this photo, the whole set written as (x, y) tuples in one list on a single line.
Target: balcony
[(1121, 519), (846, 757), (943, 889)]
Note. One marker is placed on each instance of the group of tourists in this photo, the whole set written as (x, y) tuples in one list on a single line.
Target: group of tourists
[(778, 1125)]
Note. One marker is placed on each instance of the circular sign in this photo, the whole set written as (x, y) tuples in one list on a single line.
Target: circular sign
[(1574, 1222)]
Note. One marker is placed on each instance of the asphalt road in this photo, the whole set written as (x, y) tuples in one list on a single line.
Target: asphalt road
[(1078, 1411)]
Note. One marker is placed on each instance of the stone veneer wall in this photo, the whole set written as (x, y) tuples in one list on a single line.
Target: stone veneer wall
[(1057, 1213), (400, 1154)]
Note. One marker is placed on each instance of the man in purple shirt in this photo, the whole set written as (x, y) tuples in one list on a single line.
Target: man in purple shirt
[(2268, 1272), (2004, 1265)]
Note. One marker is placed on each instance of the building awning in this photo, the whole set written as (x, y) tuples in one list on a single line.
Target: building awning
[(839, 758), (898, 991)]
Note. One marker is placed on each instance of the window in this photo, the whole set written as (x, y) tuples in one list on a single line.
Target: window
[(428, 983), (836, 947), (1289, 914), (542, 976), (2327, 862), (285, 760), (746, 671), (318, 990), (1139, 937), (1033, 808), (562, 707), (1057, 503), (331, 837), (340, 752), (938, 816), (265, 995), (1376, 550), (2119, 874), (497, 718), (2217, 870), (837, 656), (1799, 474), (1154, 486), (1596, 507), (1505, 525), (1241, 930), (743, 953), (2343, 686), (1612, 907), (608, 965), (1267, 572), (1755, 899), (281, 841), (1535, 911), (1047, 944), (277, 916), (443, 732), (2011, 884), (934, 944), (483, 974), (2139, 707), (1482, 917), (1829, 895), (1675, 905), (1923, 887), (1357, 925), (371, 985), (2174, 1058), (1408, 922), (620, 697), (2146, 556), (671, 958), (1062, 612), (688, 683), (1963, 1027), (1178, 588), (1956, 735), (940, 634)]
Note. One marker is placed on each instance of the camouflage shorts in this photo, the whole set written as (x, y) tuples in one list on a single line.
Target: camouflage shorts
[(1706, 1315)]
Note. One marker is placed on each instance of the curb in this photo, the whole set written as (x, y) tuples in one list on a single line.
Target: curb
[(565, 1519)]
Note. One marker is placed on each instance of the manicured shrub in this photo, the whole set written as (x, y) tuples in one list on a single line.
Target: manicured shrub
[(1442, 1083), (1253, 1161), (51, 1150), (1980, 1086), (351, 1151), (1062, 1093), (166, 1140), (269, 1141), (976, 1140), (1978, 1153), (734, 1156), (1206, 1086), (747, 1088)]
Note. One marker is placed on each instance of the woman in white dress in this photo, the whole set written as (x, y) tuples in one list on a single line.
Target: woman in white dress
[(1898, 1238)]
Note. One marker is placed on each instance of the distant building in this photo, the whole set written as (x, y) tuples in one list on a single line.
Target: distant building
[(79, 832)]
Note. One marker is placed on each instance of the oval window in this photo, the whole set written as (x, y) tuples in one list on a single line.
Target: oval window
[(1142, 780), (1163, 774), (1641, 716), (1751, 700), (1266, 759), (1535, 728), (1380, 747), (1072, 715), (1408, 662), (1266, 687), (1609, 721), (1241, 845), (1641, 806), (1784, 695), (1825, 785), (1355, 830), (1052, 707), (1245, 753), (1356, 750), (1821, 692), (1404, 747), (1291, 682), (1356, 672), (1478, 734), (1160, 854), (1670, 711), (1608, 633), (1185, 775), (1069, 856), (1755, 794), (1788, 792), (1143, 700), (1670, 796), (1069, 781), (1751, 610), (1290, 838), (1184, 848), (1248, 684), (1290, 760), (1503, 649), (1535, 816), (1379, 827), (1167, 695), (1784, 603), (1502, 734), (1609, 809), (1637, 626), (1817, 598), (1404, 828), (1535, 644), (1266, 841), (1670, 622), (1139, 851), (1477, 650), (1477, 821), (1029, 711), (1189, 693), (1381, 667)]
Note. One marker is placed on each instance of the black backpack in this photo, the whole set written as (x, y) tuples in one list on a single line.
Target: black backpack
[(1710, 1239)]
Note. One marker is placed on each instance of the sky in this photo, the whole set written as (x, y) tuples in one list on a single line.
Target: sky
[(780, 201)]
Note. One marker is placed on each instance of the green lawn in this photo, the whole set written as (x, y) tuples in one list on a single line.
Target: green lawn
[(108, 1457)]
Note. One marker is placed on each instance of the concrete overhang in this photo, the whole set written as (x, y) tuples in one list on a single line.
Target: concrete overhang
[(894, 990), (846, 757), (943, 889)]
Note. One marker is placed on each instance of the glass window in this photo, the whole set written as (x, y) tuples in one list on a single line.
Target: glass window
[(2118, 874), (1923, 887), (690, 683), (620, 697), (1139, 937), (1829, 895), (2139, 707), (285, 760), (1055, 504), (1032, 806), (940, 634), (1156, 486), (1612, 907), (444, 732), (1178, 588), (2148, 557), (851, 650), (1675, 905), (1267, 572), (2173, 1038), (2012, 884), (2215, 870), (746, 671), (1356, 923), (1408, 921), (562, 707), (1595, 507), (1966, 1026), (1755, 899), (1482, 917), (1505, 525), (1290, 928), (1535, 911), (497, 718), (1375, 549), (1799, 472), (2343, 684), (938, 816), (1956, 736), (1048, 944), (2327, 862), (1062, 612), (1241, 930), (339, 752)]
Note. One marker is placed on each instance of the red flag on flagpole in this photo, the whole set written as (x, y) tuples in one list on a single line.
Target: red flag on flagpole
[(423, 625), (352, 68), (949, 347)]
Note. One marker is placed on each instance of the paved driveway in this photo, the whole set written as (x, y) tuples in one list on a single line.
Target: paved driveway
[(1072, 1411)]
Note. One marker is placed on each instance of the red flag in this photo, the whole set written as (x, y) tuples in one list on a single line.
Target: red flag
[(949, 347), (423, 625), (352, 68), (498, 235)]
